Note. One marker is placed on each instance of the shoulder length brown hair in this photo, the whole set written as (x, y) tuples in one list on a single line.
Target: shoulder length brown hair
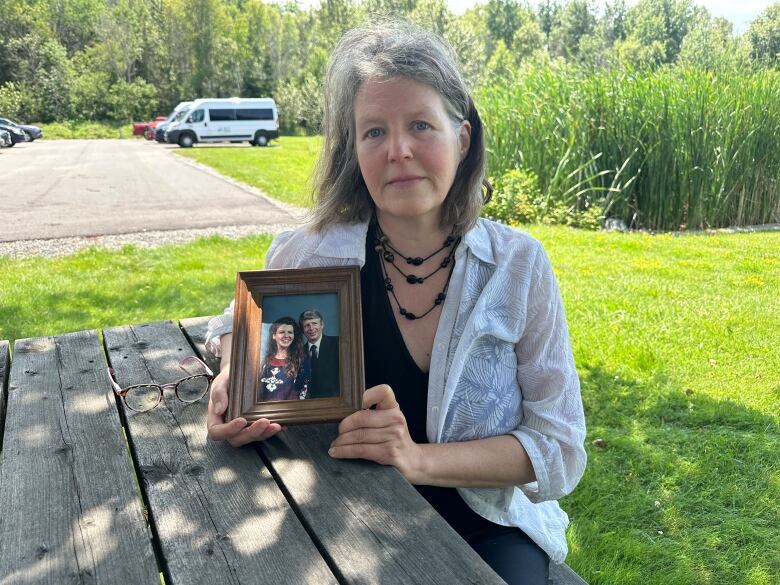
[(383, 50)]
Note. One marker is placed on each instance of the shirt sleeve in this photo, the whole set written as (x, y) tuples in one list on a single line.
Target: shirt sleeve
[(552, 429)]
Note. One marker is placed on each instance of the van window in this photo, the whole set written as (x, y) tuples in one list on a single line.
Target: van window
[(222, 115), (197, 116), (255, 114)]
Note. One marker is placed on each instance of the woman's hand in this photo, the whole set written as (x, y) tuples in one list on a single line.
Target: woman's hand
[(380, 435), (236, 432)]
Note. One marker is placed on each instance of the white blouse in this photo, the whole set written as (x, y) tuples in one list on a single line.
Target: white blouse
[(501, 364)]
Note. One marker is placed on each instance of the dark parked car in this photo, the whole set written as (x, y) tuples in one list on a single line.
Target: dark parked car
[(5, 139), (33, 132), (17, 134)]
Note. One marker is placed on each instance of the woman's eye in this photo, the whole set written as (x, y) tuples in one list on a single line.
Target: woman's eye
[(421, 125), (374, 133)]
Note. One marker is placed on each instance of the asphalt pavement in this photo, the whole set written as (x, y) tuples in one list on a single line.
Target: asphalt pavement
[(66, 188)]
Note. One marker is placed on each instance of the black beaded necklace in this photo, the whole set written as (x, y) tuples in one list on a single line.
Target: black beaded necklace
[(387, 253)]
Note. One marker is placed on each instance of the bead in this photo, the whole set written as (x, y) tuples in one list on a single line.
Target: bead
[(412, 279), (402, 310), (389, 256), (415, 261), (441, 296), (387, 280), (445, 263), (378, 248), (420, 280), (383, 239), (389, 286), (449, 240), (438, 302), (410, 316)]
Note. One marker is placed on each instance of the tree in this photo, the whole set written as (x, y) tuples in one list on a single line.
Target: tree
[(577, 20), (764, 35), (664, 23)]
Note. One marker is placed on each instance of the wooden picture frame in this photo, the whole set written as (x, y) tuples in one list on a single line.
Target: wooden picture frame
[(252, 381)]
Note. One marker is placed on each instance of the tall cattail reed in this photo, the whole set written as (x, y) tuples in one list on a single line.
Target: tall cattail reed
[(675, 148)]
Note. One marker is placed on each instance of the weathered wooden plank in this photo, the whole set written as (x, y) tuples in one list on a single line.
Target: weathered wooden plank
[(5, 366), (218, 514), (369, 521), (70, 510), (564, 575), (195, 329)]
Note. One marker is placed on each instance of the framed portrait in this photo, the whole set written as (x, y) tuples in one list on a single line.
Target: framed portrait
[(297, 353)]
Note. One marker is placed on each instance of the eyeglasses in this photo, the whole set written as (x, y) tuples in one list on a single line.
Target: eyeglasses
[(144, 397)]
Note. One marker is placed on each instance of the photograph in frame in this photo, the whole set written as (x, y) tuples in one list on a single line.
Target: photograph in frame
[(297, 353)]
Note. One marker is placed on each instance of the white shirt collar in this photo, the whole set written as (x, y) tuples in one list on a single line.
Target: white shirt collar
[(348, 240)]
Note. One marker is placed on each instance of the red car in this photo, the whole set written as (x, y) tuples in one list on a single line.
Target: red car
[(139, 128)]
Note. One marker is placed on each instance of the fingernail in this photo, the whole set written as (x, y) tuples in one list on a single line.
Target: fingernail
[(331, 451), (218, 406)]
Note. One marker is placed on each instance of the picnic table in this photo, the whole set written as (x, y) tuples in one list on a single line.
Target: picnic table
[(91, 492)]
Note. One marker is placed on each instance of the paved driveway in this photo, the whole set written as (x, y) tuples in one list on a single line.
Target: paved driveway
[(62, 188)]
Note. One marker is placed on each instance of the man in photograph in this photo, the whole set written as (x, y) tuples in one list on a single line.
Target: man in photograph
[(323, 352)]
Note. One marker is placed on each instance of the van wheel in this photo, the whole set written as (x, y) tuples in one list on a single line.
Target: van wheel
[(261, 140), (186, 141)]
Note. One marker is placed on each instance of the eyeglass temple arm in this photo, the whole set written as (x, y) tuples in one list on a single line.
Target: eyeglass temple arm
[(114, 385), (197, 359)]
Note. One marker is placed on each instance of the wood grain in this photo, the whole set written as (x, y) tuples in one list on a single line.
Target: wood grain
[(217, 512), (196, 331), (367, 519), (70, 509), (5, 366)]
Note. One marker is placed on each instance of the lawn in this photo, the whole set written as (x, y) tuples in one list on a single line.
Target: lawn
[(676, 341), (675, 338), (86, 130), (282, 169)]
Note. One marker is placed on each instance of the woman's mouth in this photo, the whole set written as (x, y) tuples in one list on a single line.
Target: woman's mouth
[(404, 181)]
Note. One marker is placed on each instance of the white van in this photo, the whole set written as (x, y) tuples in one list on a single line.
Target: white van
[(177, 114), (226, 120)]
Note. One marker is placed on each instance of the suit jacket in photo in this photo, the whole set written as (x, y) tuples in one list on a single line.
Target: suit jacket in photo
[(325, 369)]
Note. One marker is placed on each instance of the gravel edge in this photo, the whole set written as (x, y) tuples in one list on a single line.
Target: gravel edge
[(57, 247)]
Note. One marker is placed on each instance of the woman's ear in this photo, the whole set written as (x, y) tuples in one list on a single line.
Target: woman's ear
[(464, 138)]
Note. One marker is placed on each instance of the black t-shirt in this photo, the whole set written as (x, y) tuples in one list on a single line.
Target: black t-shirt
[(388, 361)]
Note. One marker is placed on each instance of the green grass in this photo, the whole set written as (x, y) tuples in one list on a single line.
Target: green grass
[(281, 170), (676, 341), (86, 130), (96, 288)]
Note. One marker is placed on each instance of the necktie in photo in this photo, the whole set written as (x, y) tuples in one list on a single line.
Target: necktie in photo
[(313, 352)]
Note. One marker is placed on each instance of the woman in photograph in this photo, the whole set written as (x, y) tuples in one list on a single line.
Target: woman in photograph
[(286, 372), (467, 355)]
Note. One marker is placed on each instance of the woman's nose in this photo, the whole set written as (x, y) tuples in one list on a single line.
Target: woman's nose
[(400, 147)]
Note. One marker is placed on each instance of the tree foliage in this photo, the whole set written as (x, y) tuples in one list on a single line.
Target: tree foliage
[(130, 59)]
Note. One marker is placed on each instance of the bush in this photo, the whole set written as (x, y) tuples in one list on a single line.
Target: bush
[(517, 199), (12, 98)]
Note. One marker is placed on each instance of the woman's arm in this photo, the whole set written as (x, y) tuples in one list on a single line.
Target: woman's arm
[(382, 435)]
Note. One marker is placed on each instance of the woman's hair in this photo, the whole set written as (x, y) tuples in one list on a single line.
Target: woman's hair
[(383, 50), (295, 353)]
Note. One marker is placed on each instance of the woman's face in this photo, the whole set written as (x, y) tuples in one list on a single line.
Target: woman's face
[(284, 336), (407, 148)]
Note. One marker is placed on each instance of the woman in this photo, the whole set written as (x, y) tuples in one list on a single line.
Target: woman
[(286, 370), (467, 356)]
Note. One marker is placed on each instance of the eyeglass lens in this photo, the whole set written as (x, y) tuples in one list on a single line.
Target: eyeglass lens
[(142, 398), (192, 389)]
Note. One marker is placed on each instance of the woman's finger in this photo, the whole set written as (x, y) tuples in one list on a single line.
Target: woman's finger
[(371, 419), (373, 452), (221, 431), (381, 396), (371, 436), (260, 430)]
